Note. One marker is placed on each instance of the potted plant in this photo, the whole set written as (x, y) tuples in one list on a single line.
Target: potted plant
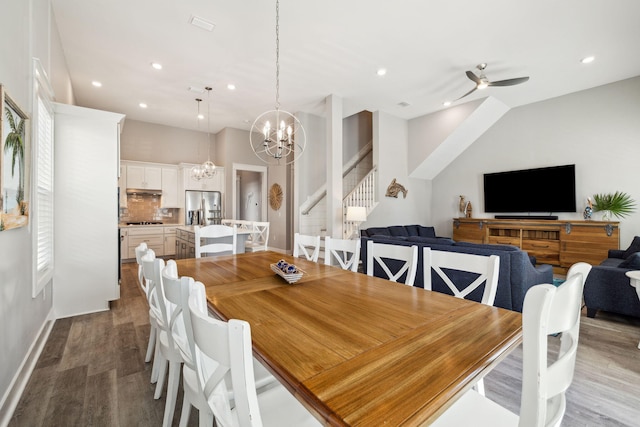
[(618, 204)]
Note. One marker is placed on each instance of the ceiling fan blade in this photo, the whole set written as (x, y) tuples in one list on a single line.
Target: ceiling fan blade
[(509, 82), (468, 93), (473, 77)]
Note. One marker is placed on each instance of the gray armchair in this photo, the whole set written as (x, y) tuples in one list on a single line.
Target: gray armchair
[(607, 287)]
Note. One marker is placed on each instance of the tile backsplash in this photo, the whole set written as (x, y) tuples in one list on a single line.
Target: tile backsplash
[(146, 207)]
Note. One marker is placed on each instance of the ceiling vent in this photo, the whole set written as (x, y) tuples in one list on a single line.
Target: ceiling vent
[(202, 23)]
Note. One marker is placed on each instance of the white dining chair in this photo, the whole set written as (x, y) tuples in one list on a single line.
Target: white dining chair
[(259, 237), (228, 346), (141, 250), (394, 260), (194, 385), (345, 253), (307, 246), (547, 311), (482, 269), (220, 239), (155, 316), (170, 327)]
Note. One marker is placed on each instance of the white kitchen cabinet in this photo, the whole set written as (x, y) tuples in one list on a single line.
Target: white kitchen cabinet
[(86, 218), (170, 241), (124, 243), (148, 177), (152, 235), (169, 197)]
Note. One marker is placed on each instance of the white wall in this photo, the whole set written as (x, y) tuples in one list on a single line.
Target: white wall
[(597, 130), (390, 148), (22, 36)]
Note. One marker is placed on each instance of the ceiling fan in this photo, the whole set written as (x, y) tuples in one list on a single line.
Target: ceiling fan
[(482, 82)]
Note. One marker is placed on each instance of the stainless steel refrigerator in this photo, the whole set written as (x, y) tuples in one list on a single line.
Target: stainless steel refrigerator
[(203, 207)]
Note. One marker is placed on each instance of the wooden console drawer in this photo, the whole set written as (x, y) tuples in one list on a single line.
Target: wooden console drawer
[(545, 251), (504, 240)]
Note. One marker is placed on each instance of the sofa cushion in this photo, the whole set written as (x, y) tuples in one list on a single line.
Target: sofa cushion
[(632, 261), (426, 231), (612, 262), (431, 240), (413, 230), (387, 238), (378, 231), (633, 248), (489, 246), (398, 230)]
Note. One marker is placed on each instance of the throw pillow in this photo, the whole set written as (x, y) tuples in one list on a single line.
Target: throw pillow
[(633, 248), (632, 262), (378, 231), (412, 230), (398, 230), (426, 231)]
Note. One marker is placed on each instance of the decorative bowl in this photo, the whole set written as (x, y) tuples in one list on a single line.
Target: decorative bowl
[(289, 277)]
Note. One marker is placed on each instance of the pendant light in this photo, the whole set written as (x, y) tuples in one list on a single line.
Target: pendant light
[(277, 136), (196, 171), (208, 167)]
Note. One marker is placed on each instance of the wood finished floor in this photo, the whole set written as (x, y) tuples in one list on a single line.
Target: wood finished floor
[(92, 372)]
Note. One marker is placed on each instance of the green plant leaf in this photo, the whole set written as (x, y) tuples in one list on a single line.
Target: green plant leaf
[(619, 204)]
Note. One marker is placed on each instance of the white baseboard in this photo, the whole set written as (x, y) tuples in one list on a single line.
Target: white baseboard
[(12, 396)]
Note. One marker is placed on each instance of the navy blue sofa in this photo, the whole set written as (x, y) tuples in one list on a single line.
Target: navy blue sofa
[(607, 286), (517, 272)]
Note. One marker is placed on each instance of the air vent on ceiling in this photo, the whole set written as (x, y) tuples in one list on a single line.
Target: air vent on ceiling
[(202, 23), (196, 89)]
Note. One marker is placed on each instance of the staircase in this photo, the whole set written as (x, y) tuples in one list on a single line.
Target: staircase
[(359, 186)]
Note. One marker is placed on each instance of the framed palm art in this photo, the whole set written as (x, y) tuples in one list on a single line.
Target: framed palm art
[(15, 155)]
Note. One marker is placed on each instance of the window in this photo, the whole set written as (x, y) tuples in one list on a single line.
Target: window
[(43, 180)]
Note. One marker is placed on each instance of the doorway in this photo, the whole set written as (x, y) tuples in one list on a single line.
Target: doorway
[(249, 192)]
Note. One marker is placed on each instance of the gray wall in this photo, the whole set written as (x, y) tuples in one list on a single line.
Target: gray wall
[(149, 142), (597, 130), (26, 31)]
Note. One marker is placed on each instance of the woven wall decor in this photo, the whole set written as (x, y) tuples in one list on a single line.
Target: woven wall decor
[(275, 197)]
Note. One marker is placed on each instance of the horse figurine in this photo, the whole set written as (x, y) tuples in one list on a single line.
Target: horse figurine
[(394, 188)]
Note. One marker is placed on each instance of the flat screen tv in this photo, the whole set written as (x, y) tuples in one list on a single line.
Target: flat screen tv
[(542, 190)]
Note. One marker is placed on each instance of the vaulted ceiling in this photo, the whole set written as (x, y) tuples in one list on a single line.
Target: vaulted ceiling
[(336, 47)]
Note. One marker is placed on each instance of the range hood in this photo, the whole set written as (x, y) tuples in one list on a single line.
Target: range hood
[(144, 191)]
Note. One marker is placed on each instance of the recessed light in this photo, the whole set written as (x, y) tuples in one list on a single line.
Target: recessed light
[(446, 103), (196, 89), (156, 65), (200, 116), (403, 104), (588, 59), (381, 71), (142, 105), (231, 86), (96, 83)]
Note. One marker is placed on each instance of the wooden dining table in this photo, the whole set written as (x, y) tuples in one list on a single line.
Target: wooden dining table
[(358, 350)]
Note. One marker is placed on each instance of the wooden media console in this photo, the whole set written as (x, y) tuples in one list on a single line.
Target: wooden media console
[(560, 243)]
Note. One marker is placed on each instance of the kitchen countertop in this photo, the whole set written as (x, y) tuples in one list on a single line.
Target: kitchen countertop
[(125, 225)]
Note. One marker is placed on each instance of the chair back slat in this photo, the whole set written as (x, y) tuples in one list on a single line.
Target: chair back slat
[(307, 246), (444, 263), (386, 255), (548, 311), (212, 233), (345, 252)]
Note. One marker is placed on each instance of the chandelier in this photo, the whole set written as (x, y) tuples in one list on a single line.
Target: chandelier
[(207, 169), (277, 136)]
